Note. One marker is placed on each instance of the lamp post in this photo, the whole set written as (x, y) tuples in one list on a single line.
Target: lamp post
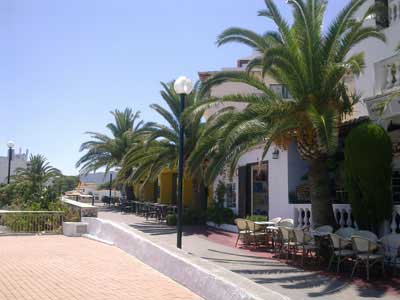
[(10, 146), (111, 178), (182, 86)]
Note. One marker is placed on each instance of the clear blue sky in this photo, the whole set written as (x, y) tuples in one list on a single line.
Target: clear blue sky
[(65, 64)]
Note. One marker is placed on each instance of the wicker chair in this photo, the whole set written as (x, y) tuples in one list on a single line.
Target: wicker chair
[(287, 241), (305, 243), (257, 232), (339, 247), (244, 232), (366, 253)]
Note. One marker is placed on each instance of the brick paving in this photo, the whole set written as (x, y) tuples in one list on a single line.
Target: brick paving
[(259, 266), (57, 267)]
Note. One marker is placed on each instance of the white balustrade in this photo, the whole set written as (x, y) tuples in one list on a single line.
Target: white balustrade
[(343, 216), (394, 223)]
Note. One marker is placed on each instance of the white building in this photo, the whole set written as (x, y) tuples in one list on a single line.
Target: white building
[(264, 189), (380, 85), (19, 160), (276, 189)]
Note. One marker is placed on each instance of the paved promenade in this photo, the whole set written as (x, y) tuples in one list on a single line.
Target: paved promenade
[(290, 281), (57, 267)]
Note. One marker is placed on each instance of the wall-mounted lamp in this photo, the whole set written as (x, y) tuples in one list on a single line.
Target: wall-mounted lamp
[(275, 154)]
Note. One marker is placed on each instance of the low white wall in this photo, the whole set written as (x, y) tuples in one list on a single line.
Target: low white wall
[(226, 227), (206, 279)]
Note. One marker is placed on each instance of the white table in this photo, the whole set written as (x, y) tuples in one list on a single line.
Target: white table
[(265, 223)]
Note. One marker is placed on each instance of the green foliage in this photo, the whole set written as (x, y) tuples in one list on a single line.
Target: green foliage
[(220, 193), (104, 151), (189, 217), (257, 218), (63, 183), (160, 140), (220, 215), (32, 188), (193, 216), (311, 63), (171, 220), (368, 173)]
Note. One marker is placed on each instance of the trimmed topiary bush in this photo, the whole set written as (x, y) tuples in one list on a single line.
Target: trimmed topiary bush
[(257, 218), (368, 174), (171, 220), (220, 215)]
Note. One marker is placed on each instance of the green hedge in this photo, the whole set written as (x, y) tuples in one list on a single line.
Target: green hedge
[(220, 215), (257, 218)]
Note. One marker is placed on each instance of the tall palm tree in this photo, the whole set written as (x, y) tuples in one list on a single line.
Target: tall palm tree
[(311, 63), (160, 148), (104, 151)]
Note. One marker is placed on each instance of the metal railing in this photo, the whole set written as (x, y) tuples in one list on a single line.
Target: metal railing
[(16, 222)]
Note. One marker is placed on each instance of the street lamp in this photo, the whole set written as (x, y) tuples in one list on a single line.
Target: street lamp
[(183, 86), (10, 146)]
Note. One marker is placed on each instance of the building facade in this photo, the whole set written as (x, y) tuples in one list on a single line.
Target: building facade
[(19, 160), (260, 185), (276, 186)]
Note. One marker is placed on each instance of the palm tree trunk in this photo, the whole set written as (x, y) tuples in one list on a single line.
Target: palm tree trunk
[(199, 193), (321, 201), (129, 192)]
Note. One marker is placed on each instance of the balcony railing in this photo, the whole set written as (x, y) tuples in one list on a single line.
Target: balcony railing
[(16, 222), (387, 75)]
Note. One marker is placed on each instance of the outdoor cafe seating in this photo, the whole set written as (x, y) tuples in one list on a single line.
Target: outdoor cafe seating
[(360, 248)]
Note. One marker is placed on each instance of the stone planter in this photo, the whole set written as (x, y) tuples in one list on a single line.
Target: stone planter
[(225, 227)]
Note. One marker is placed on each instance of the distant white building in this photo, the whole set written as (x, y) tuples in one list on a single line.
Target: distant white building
[(91, 184), (19, 160)]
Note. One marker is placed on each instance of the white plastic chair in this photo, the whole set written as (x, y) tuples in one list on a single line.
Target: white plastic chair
[(346, 232), (324, 229), (391, 247), (366, 234)]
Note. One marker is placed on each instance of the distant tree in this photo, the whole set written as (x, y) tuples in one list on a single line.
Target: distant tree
[(368, 173), (159, 150), (63, 183), (37, 173)]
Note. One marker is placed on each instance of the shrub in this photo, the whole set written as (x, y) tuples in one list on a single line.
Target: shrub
[(193, 217), (257, 218), (220, 215), (368, 173), (171, 220)]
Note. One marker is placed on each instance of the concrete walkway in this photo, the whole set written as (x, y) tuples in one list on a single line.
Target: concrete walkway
[(57, 267), (293, 282)]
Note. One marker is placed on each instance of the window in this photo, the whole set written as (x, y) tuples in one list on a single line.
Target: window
[(231, 195), (382, 17), (280, 90), (396, 186)]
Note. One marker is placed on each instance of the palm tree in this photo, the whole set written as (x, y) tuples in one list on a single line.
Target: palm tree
[(104, 151), (36, 175), (160, 148), (311, 64), (38, 171)]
